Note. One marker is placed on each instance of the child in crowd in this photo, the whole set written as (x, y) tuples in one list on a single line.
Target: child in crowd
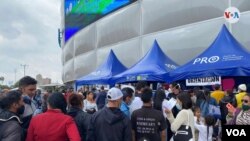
[(206, 129), (199, 119)]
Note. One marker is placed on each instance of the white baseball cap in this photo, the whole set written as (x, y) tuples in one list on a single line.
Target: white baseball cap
[(242, 87), (114, 94)]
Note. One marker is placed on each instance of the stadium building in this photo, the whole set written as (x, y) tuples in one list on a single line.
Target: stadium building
[(183, 29)]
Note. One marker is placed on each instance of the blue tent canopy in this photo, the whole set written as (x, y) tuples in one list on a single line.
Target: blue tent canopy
[(154, 66), (224, 57), (104, 73)]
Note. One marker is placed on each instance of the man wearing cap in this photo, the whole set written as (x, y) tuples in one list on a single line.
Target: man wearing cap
[(242, 88), (109, 123)]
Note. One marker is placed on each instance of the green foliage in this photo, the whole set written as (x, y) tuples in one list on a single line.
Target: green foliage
[(4, 87)]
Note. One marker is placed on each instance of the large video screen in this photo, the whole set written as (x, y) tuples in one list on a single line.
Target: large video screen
[(80, 13)]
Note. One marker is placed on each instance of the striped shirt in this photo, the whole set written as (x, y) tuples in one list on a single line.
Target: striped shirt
[(243, 118)]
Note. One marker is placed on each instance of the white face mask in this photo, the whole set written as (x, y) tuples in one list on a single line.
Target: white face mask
[(193, 98), (169, 90), (178, 106)]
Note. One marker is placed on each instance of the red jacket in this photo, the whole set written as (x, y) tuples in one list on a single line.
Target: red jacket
[(53, 125)]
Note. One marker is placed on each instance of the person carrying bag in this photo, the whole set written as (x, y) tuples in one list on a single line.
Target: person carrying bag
[(183, 124), (184, 133)]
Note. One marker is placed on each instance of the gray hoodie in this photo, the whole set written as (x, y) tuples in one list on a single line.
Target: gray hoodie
[(10, 129)]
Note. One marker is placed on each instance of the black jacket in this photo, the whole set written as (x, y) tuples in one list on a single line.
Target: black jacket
[(101, 100), (10, 129), (109, 125), (82, 120)]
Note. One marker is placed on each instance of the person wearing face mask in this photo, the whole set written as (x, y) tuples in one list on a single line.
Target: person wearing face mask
[(192, 96), (240, 116), (127, 98), (185, 116), (110, 123), (175, 89), (12, 107)]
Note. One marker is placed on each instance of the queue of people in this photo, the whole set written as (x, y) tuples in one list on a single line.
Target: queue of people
[(127, 114)]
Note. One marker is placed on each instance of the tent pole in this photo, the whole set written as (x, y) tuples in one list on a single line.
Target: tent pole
[(230, 25)]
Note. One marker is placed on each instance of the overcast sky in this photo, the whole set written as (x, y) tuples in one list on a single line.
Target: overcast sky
[(28, 35)]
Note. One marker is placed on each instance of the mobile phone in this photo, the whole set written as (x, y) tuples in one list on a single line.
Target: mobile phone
[(230, 107)]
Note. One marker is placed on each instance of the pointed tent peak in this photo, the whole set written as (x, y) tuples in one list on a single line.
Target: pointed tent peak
[(226, 34), (155, 48), (111, 52), (108, 60), (155, 55), (156, 44), (224, 30), (224, 41), (224, 27), (114, 61), (111, 55)]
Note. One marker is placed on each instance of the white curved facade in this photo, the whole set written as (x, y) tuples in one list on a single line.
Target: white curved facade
[(183, 29)]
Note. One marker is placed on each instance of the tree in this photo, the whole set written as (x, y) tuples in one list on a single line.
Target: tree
[(1, 79), (4, 87), (16, 85)]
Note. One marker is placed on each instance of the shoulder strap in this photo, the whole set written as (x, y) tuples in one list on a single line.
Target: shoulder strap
[(85, 103), (188, 117)]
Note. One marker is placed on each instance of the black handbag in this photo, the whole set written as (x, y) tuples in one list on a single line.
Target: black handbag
[(184, 133), (91, 111)]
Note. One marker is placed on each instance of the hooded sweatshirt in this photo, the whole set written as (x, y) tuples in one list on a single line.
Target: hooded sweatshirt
[(109, 124), (82, 120), (10, 129)]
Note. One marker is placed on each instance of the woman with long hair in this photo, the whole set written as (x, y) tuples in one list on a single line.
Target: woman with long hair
[(158, 99), (184, 117), (206, 129), (89, 103), (81, 118), (206, 101)]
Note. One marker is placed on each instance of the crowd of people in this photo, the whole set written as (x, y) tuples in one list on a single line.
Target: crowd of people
[(127, 114)]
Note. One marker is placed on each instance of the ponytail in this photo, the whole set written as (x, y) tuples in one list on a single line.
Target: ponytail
[(207, 132)]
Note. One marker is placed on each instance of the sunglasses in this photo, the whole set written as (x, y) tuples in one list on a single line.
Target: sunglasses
[(244, 101)]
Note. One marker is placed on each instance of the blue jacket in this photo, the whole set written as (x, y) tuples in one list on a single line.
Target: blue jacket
[(205, 106), (125, 109)]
